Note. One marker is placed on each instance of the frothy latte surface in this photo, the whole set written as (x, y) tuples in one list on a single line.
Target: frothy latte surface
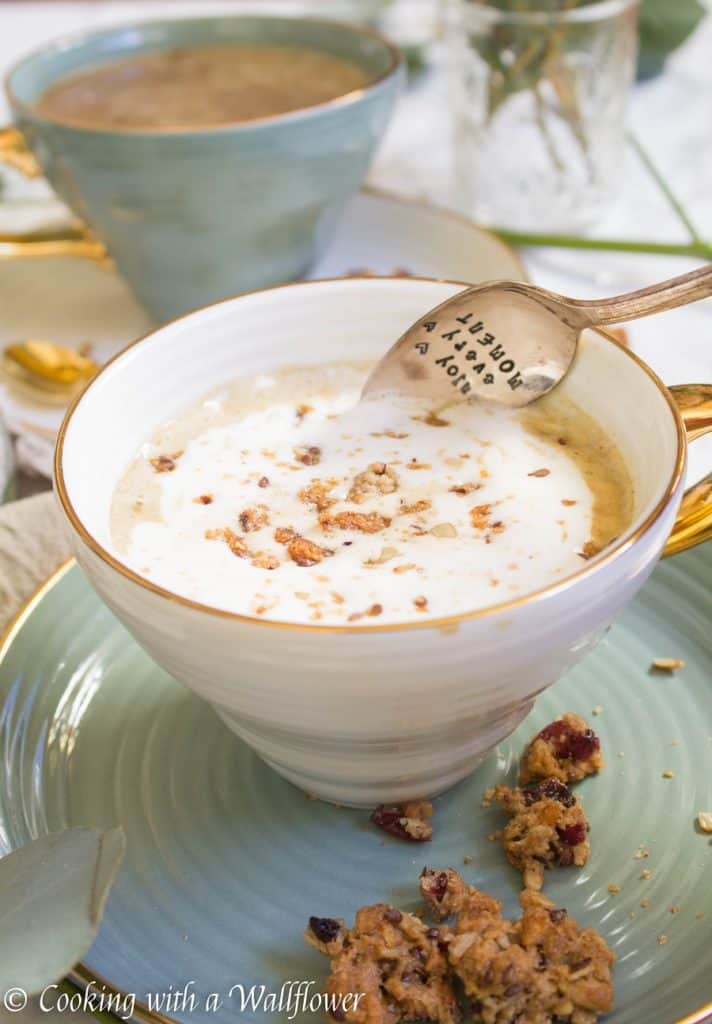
[(212, 84), (279, 497)]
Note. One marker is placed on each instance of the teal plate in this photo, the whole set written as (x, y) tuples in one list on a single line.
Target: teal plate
[(226, 861)]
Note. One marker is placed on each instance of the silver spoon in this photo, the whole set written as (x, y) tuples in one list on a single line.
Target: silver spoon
[(511, 342)]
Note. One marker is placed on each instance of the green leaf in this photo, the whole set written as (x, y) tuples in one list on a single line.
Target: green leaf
[(664, 25), (52, 896)]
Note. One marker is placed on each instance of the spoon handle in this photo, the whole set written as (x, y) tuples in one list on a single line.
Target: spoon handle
[(678, 291)]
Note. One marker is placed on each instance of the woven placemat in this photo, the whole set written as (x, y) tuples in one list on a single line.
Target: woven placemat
[(32, 545)]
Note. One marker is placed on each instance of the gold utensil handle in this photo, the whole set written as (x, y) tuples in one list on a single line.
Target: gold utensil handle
[(72, 241), (694, 520), (15, 152)]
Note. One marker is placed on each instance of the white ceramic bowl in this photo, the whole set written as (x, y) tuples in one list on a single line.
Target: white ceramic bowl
[(378, 713)]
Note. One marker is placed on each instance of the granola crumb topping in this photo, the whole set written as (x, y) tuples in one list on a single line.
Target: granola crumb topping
[(234, 541), (165, 463), (365, 522), (303, 409), (316, 494), (284, 534), (263, 560), (375, 609), (306, 553), (360, 497), (480, 515), (377, 478), (308, 455), (397, 435), (411, 508), (251, 519)]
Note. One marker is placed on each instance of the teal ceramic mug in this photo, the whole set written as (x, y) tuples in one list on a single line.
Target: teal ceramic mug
[(192, 215)]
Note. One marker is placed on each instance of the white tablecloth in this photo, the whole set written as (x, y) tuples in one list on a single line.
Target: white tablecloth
[(672, 115)]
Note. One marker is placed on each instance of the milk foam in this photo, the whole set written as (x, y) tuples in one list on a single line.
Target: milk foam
[(485, 508)]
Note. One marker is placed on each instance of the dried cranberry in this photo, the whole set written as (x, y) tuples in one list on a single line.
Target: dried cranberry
[(437, 882), (393, 915), (325, 928), (550, 789), (569, 744), (391, 819), (554, 731), (557, 915), (433, 933), (582, 745), (572, 835)]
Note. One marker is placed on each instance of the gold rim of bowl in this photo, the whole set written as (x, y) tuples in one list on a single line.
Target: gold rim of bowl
[(444, 622), (73, 39)]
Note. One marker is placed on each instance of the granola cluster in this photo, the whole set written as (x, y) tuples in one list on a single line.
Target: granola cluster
[(567, 749), (410, 821), (539, 969), (536, 970), (547, 829), (393, 960)]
